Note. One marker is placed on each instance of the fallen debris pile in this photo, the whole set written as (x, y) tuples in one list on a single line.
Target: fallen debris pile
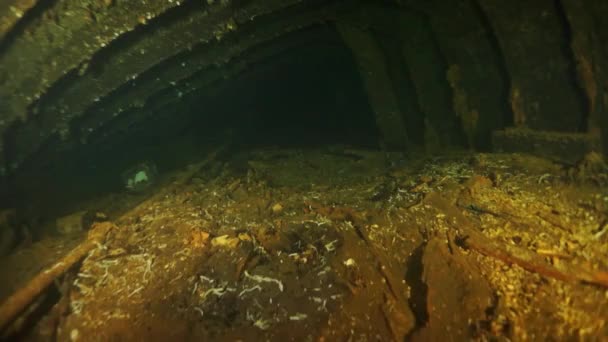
[(445, 248)]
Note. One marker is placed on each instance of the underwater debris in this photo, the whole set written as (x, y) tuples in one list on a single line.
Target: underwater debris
[(331, 246), (199, 310), (137, 290), (83, 288), (350, 262), (76, 306), (71, 224), (601, 231), (324, 271), (250, 289), (74, 335), (261, 279), (277, 208), (206, 279), (147, 261), (225, 241), (21, 299), (543, 179), (198, 239), (319, 221), (469, 238), (140, 176), (217, 291), (298, 317), (322, 303), (259, 323), (340, 260)]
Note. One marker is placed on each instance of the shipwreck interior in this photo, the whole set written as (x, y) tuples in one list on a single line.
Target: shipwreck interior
[(303, 170)]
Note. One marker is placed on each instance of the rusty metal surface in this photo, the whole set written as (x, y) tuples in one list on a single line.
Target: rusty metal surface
[(13, 11), (476, 72), (532, 38), (69, 60), (65, 37), (75, 78)]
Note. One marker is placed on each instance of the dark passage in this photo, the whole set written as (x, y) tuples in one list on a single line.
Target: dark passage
[(309, 95)]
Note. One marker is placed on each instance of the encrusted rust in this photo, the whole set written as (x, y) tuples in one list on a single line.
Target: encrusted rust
[(469, 117), (107, 59), (79, 54), (374, 72), (519, 114), (532, 36)]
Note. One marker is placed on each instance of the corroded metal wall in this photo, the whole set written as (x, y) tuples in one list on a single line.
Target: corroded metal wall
[(69, 69)]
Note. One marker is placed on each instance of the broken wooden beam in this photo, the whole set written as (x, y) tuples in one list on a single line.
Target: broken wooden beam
[(528, 260), (469, 237), (16, 304)]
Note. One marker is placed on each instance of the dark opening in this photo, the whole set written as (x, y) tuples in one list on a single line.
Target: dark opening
[(308, 95)]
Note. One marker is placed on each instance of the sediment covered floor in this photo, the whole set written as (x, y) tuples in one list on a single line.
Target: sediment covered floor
[(340, 244)]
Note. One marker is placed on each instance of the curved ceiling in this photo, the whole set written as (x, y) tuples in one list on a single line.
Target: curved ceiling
[(71, 70)]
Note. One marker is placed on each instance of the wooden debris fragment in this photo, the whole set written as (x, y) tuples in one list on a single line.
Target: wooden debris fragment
[(470, 238), (528, 260), (19, 301)]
